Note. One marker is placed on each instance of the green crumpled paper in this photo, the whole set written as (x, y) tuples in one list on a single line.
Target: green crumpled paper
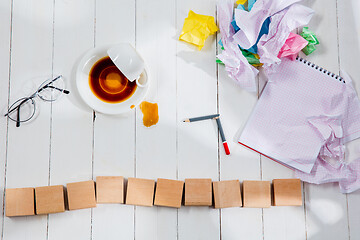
[(252, 59), (311, 38), (197, 28)]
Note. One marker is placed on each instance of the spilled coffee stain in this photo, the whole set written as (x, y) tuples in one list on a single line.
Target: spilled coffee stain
[(132, 106), (150, 112)]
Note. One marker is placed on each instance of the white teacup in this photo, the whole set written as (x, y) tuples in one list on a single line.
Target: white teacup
[(89, 59), (129, 62)]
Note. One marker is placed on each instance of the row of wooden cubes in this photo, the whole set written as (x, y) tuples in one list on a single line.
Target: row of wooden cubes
[(168, 193)]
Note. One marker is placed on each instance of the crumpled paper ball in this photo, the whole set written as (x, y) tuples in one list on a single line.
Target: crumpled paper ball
[(197, 28)]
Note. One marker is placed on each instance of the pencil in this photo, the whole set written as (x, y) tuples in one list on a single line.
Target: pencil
[(201, 118), (226, 147)]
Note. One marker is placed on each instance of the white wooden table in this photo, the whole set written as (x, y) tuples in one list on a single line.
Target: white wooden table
[(68, 143)]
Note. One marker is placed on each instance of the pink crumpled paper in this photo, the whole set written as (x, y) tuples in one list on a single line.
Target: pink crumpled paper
[(236, 64), (292, 46)]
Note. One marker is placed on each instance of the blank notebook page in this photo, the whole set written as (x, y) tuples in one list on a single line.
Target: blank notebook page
[(300, 105)]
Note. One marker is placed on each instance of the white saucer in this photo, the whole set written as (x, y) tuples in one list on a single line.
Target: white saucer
[(82, 84)]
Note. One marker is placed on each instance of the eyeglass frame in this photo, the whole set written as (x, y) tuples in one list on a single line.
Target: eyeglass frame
[(12, 108)]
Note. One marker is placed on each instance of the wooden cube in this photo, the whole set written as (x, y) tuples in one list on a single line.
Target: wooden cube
[(140, 192), (49, 199), (198, 192), (81, 195), (19, 202), (169, 193), (110, 189), (227, 194), (257, 194), (287, 192)]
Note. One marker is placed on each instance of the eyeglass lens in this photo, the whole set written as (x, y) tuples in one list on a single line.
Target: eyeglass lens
[(51, 89), (22, 110)]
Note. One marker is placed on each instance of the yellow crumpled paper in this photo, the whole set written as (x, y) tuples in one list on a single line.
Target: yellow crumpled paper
[(197, 28), (242, 2)]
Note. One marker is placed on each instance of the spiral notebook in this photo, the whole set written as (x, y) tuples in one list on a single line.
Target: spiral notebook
[(302, 107)]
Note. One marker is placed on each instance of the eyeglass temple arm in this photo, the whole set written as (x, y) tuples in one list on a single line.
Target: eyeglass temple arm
[(17, 107), (59, 89), (45, 86), (18, 112), (18, 117)]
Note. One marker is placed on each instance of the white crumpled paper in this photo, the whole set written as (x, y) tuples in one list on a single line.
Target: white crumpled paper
[(250, 22), (236, 64), (280, 27), (286, 16), (331, 165)]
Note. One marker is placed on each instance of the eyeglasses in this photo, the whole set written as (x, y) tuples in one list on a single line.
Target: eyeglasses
[(49, 91)]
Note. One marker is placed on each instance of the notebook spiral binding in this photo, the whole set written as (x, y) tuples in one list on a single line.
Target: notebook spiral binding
[(333, 75)]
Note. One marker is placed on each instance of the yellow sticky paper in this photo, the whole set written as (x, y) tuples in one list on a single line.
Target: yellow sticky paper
[(197, 28), (242, 2)]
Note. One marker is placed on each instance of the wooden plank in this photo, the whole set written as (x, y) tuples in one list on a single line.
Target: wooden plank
[(72, 124), (5, 19), (286, 222), (114, 136), (290, 221), (282, 222), (156, 146), (235, 106), (320, 198), (198, 141), (28, 146), (349, 42)]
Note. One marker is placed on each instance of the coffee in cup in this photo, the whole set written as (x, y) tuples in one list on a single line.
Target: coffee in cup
[(108, 83)]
